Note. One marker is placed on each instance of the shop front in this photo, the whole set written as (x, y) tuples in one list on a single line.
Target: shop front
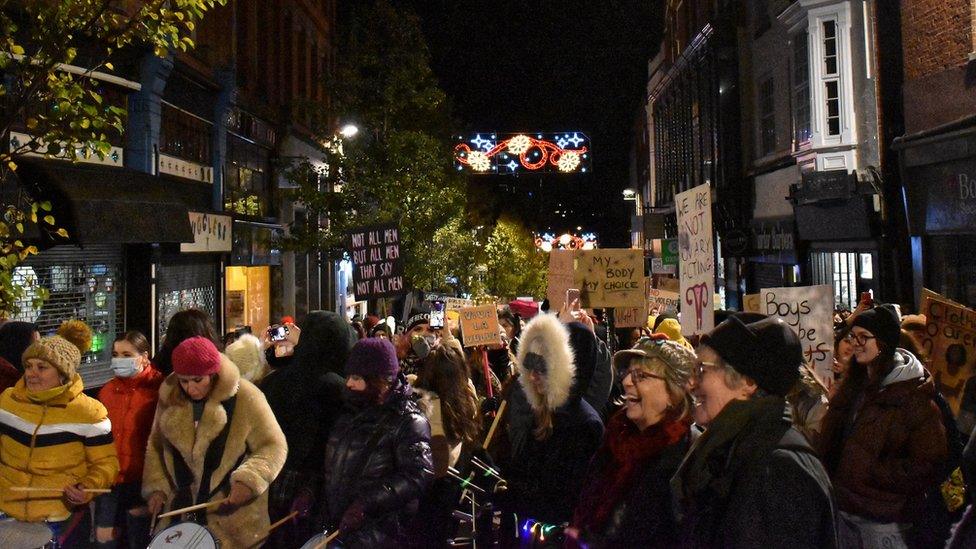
[(252, 281), (939, 172), (774, 260), (837, 223)]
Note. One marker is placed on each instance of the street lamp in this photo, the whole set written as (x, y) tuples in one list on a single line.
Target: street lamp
[(349, 131)]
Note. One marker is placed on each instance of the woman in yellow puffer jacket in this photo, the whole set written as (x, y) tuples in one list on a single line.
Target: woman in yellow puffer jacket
[(53, 436)]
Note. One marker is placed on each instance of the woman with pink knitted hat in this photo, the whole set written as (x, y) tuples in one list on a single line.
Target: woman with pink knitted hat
[(214, 438)]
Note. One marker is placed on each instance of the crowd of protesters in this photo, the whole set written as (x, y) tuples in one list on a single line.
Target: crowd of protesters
[(385, 436)]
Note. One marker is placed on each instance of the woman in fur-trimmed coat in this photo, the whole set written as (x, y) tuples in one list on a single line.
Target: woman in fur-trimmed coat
[(553, 431), (193, 407)]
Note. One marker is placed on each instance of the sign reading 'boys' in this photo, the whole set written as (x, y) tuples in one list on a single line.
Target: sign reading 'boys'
[(377, 267)]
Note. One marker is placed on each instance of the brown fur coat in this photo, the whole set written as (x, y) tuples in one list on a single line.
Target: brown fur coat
[(254, 432)]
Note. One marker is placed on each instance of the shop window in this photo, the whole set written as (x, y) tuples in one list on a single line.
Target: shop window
[(247, 178), (801, 90), (767, 115), (839, 269), (185, 135)]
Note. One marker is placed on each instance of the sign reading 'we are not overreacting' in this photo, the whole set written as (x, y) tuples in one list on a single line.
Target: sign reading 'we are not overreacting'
[(377, 267)]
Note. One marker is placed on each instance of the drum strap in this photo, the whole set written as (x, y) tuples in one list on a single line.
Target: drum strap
[(215, 454)]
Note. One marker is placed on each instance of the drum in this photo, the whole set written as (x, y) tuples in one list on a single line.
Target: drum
[(317, 541), (14, 533), (184, 535)]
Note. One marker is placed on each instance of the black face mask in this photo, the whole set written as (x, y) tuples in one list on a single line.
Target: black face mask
[(357, 399), (535, 363)]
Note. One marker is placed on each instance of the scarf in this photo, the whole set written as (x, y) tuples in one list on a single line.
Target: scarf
[(46, 395), (625, 453), (742, 433)]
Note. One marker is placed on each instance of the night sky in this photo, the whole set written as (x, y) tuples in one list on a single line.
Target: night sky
[(549, 66)]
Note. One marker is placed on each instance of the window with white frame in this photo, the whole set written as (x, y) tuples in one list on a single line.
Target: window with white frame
[(801, 89), (767, 115), (831, 85)]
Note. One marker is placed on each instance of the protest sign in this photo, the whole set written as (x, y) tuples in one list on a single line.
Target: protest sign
[(610, 278), (950, 342), (456, 303), (630, 317), (479, 326), (560, 277), (663, 300), (750, 303), (669, 284), (696, 259), (809, 311), (377, 266)]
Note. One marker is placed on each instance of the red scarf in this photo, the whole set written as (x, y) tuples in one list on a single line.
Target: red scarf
[(625, 451)]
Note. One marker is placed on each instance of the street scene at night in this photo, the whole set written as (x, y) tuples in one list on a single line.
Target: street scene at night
[(314, 274)]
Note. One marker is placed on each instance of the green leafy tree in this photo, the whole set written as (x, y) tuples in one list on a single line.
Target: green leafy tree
[(514, 266), (52, 54)]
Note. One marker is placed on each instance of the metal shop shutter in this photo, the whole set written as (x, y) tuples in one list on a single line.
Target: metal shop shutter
[(85, 284)]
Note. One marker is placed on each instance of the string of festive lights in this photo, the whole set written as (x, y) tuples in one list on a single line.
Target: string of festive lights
[(560, 152), (548, 242)]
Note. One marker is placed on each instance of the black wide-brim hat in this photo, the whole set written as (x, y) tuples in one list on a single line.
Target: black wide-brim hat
[(768, 351)]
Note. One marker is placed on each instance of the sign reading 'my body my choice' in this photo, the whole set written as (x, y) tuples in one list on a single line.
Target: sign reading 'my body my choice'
[(696, 259), (377, 267), (610, 278)]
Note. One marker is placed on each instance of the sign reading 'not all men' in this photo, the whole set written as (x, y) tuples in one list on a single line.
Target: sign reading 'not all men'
[(377, 267)]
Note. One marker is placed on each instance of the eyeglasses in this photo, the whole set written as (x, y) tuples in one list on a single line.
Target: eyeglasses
[(858, 339), (701, 367), (637, 375)]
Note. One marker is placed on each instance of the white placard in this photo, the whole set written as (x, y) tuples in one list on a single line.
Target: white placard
[(211, 233), (696, 259), (809, 310)]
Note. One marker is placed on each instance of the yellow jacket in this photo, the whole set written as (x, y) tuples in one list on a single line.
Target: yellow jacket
[(64, 440)]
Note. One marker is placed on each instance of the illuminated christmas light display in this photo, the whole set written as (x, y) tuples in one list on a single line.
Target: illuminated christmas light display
[(548, 242), (490, 153)]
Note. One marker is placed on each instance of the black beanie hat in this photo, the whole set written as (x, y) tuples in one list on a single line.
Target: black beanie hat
[(883, 323), (767, 351)]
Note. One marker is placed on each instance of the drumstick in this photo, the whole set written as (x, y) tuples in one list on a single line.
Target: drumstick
[(38, 489), (494, 424), (271, 528), (196, 507), (326, 541)]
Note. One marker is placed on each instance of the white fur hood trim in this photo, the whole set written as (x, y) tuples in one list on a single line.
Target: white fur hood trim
[(546, 336)]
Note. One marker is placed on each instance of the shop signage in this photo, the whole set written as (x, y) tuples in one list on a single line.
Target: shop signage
[(610, 278), (824, 186), (211, 233), (377, 265), (560, 277), (951, 190), (479, 326), (696, 259), (735, 243), (772, 236), (809, 311), (950, 342)]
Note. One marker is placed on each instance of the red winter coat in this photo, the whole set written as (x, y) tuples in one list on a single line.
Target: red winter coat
[(131, 404)]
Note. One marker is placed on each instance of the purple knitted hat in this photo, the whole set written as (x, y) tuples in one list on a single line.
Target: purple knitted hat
[(373, 356)]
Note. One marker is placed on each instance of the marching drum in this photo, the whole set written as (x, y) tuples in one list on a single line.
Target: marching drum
[(319, 541), (184, 535), (33, 535)]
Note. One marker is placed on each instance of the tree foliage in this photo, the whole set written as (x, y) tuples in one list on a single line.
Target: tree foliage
[(52, 57), (515, 267)]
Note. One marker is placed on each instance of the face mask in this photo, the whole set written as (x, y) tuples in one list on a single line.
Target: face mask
[(422, 345), (125, 366)]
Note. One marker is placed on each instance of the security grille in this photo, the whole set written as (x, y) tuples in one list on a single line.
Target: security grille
[(182, 285), (84, 284)]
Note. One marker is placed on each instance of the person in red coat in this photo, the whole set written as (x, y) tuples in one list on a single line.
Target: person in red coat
[(130, 398)]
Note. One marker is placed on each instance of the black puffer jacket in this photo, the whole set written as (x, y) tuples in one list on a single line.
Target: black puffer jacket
[(379, 457)]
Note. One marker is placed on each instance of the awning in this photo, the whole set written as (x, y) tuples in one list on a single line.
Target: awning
[(103, 204)]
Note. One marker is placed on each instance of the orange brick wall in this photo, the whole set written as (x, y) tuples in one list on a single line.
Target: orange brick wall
[(936, 34)]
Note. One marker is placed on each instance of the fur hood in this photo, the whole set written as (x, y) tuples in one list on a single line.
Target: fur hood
[(547, 337), (248, 355)]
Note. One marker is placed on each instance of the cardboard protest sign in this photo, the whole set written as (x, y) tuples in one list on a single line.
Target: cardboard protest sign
[(479, 326), (456, 303), (950, 342), (610, 278), (664, 301), (669, 284), (809, 310), (560, 277), (750, 303), (696, 259), (377, 266), (630, 317)]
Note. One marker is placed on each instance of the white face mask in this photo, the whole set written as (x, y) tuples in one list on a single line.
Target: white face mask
[(125, 366)]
